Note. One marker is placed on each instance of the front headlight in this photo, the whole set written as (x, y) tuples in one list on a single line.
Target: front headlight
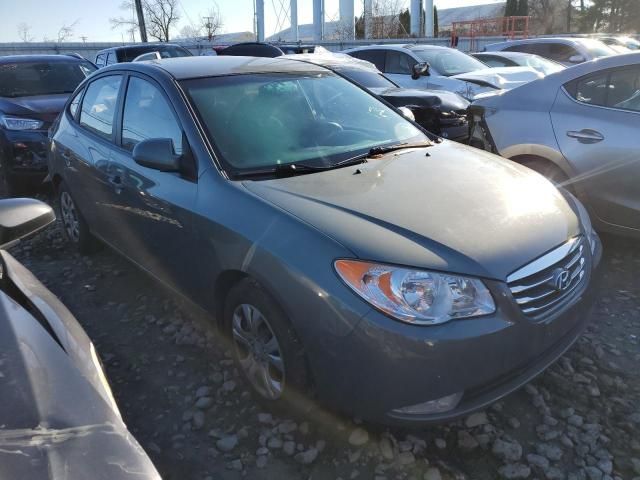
[(17, 123), (418, 297)]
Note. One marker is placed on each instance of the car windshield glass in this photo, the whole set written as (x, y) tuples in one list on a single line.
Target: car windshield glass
[(597, 49), (367, 79), (542, 64), (449, 62), (258, 122), (25, 79)]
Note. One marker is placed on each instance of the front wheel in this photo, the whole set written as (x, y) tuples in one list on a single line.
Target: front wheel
[(265, 346), (74, 225)]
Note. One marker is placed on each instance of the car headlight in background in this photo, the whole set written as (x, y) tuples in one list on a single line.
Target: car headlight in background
[(413, 296), (17, 123)]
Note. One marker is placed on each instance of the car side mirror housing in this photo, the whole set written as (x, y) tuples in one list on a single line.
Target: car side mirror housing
[(420, 70), (576, 59), (157, 153), (20, 217)]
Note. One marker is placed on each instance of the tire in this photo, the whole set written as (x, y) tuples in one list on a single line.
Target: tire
[(75, 227), (283, 388)]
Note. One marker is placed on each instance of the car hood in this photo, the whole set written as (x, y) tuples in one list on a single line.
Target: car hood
[(43, 107), (442, 100), (448, 207), (53, 418), (503, 78)]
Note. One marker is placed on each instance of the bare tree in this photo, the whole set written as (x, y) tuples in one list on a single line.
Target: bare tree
[(66, 31), (386, 18), (161, 17), (24, 32), (190, 32), (212, 22)]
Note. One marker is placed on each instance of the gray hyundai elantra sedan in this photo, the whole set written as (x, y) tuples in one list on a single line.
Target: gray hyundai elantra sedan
[(349, 256)]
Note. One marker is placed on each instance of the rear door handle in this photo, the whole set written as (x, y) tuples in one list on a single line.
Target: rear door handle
[(586, 136), (116, 181)]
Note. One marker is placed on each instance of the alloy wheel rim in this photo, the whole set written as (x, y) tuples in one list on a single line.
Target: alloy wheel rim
[(258, 351), (69, 217)]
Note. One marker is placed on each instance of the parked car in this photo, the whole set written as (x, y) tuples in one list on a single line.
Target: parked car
[(127, 53), (33, 91), (252, 49), (441, 68), (580, 127), (519, 59), (348, 257), (626, 42), (440, 112), (59, 419), (565, 50)]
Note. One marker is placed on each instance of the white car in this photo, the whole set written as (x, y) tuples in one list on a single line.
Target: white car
[(442, 68), (565, 50)]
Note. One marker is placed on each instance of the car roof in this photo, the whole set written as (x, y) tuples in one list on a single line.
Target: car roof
[(501, 53), (40, 58), (401, 47), (335, 61), (182, 68), (151, 46)]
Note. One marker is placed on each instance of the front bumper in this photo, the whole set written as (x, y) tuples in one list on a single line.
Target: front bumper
[(387, 365), (24, 153)]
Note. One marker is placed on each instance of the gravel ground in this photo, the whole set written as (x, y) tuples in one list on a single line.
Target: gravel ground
[(181, 396)]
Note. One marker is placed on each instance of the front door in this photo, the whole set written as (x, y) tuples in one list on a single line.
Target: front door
[(596, 120), (154, 207)]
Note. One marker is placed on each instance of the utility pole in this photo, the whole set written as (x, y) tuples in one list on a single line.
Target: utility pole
[(84, 39), (140, 14)]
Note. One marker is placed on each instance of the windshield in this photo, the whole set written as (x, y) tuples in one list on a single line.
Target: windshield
[(26, 79), (542, 64), (367, 79), (449, 62), (258, 122), (596, 48)]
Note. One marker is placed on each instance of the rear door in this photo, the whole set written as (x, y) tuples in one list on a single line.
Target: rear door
[(88, 151), (153, 207), (596, 119)]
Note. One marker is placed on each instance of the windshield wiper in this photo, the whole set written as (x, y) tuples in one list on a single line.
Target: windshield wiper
[(398, 146), (291, 169)]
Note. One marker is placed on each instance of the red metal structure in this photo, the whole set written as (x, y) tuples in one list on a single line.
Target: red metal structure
[(508, 27)]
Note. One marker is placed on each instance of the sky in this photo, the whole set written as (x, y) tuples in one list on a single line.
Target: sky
[(91, 17)]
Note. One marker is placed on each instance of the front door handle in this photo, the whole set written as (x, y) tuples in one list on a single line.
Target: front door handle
[(586, 136)]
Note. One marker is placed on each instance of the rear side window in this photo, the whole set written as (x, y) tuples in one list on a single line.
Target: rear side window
[(495, 62), (148, 115), (100, 60), (111, 58), (527, 48), (614, 88), (374, 56), (99, 105), (398, 62)]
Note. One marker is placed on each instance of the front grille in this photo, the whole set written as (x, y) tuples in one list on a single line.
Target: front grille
[(544, 285)]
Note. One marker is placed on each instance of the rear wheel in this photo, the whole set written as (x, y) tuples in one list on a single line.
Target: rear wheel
[(547, 169), (266, 348), (74, 225)]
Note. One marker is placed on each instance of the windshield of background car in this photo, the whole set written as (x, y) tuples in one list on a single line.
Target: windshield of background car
[(257, 122), (26, 79), (367, 79), (542, 64), (596, 48), (449, 62)]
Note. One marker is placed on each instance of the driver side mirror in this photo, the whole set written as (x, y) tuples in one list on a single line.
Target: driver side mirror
[(157, 153), (20, 217), (420, 70), (576, 59)]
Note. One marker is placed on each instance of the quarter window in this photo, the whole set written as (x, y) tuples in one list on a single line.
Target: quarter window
[(100, 60), (73, 106), (148, 115), (99, 105)]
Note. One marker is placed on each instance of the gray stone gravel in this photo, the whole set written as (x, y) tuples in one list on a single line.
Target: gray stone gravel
[(184, 400)]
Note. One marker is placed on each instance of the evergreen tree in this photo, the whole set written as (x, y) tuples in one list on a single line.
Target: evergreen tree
[(435, 21)]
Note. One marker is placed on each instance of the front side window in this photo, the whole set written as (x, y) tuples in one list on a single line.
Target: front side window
[(617, 88), (111, 58), (27, 79), (258, 122), (448, 62), (148, 115), (99, 105), (561, 52), (398, 62)]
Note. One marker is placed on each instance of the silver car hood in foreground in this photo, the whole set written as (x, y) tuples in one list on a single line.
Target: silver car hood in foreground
[(504, 77), (447, 207)]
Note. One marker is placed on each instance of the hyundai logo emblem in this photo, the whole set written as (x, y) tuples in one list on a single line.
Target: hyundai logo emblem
[(561, 279)]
